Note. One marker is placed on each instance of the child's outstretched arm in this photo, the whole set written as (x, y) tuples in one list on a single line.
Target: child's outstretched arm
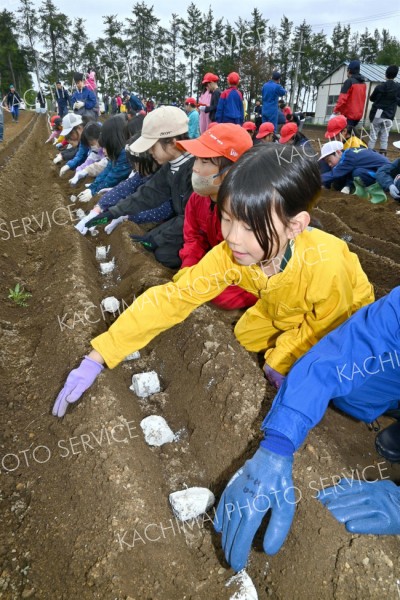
[(155, 311)]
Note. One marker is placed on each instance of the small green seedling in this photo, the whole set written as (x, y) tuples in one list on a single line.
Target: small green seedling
[(19, 296)]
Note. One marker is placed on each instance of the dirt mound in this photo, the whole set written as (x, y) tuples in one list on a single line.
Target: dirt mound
[(84, 499)]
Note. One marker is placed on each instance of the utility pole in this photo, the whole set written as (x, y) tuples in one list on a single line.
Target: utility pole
[(293, 95)]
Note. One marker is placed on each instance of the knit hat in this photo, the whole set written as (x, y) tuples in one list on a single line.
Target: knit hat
[(70, 121), (335, 126), (209, 77), (354, 66), (224, 139), (233, 78), (287, 132), (330, 148), (265, 129), (78, 77), (276, 75), (249, 126), (161, 123), (12, 85)]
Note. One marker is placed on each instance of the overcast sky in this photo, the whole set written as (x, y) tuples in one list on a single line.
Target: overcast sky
[(359, 14)]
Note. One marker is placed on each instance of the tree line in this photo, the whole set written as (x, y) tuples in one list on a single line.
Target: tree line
[(168, 63)]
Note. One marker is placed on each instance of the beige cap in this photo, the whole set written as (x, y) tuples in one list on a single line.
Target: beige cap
[(163, 122)]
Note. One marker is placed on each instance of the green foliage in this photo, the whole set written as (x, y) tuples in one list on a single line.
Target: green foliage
[(19, 296), (13, 59)]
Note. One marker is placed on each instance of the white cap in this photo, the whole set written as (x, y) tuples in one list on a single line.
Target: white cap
[(396, 145), (164, 122), (70, 121), (330, 148)]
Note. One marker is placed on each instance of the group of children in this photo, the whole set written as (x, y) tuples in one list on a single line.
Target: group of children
[(233, 221)]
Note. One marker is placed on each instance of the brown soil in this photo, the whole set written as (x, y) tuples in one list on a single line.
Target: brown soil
[(76, 500)]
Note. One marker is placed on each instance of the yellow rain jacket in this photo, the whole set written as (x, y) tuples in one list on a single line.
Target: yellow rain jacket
[(321, 285)]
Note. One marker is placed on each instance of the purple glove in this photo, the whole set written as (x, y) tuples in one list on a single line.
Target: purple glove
[(78, 381), (274, 378)]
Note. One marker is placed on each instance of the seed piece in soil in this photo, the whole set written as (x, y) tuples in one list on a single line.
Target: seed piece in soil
[(110, 304), (246, 589), (156, 431), (192, 502), (145, 384)]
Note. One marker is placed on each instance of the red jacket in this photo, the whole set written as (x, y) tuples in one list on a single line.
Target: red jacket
[(201, 232), (352, 97)]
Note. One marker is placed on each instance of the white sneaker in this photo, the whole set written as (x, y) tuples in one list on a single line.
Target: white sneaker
[(345, 190)]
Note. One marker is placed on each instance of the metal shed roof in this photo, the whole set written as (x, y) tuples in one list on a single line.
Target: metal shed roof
[(374, 73)]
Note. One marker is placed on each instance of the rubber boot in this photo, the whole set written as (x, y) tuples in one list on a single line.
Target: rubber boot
[(377, 195), (361, 190), (387, 443)]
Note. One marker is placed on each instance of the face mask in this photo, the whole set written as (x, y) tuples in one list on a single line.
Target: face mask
[(205, 186)]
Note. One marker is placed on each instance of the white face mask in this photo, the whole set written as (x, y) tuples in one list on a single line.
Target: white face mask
[(205, 186)]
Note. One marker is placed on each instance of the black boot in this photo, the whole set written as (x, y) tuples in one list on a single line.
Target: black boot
[(383, 152), (387, 443)]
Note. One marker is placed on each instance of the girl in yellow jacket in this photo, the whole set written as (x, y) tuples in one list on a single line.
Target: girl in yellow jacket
[(307, 281)]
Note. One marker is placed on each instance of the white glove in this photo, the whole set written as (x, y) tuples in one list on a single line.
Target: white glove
[(78, 175), (57, 159), (81, 225), (109, 228), (394, 192), (63, 170), (85, 196), (202, 108), (78, 104)]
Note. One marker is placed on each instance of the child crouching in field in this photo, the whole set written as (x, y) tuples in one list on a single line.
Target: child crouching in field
[(307, 281), (216, 151)]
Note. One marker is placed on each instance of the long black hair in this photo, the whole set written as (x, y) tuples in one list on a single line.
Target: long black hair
[(142, 162), (90, 133), (113, 136), (267, 179)]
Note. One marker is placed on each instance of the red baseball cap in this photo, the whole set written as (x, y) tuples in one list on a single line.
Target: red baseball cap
[(209, 77), (191, 101), (265, 129), (233, 78), (287, 132), (224, 139), (335, 126), (249, 126)]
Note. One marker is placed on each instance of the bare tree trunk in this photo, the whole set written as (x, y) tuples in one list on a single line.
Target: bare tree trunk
[(11, 68)]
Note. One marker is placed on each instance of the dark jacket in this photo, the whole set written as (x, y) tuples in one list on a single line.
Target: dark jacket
[(164, 185), (63, 98), (354, 158), (230, 107), (386, 174), (115, 172), (13, 99), (387, 97), (352, 97), (212, 109)]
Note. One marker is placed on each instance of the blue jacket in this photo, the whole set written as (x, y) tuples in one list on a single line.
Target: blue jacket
[(357, 366), (63, 98), (230, 107), (355, 158), (386, 174), (79, 157), (193, 126), (114, 173), (86, 96), (271, 92)]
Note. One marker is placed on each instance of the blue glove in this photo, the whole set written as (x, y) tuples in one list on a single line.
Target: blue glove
[(275, 378), (264, 482), (365, 507)]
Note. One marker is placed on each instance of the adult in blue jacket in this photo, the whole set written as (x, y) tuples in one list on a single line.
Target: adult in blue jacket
[(83, 100), (271, 92), (357, 367), (63, 100)]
